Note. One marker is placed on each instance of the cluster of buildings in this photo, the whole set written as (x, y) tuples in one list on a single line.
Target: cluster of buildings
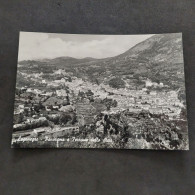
[(156, 102)]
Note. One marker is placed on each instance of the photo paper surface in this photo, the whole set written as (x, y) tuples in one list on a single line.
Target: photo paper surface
[(100, 91)]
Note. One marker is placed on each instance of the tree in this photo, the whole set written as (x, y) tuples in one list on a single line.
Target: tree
[(69, 79), (64, 118), (109, 103), (183, 113), (117, 83)]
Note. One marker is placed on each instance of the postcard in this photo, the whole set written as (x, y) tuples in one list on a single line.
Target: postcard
[(100, 91)]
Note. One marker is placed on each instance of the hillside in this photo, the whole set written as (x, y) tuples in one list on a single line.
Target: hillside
[(158, 58)]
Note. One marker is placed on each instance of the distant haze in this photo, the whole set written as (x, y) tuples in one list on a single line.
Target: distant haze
[(34, 46)]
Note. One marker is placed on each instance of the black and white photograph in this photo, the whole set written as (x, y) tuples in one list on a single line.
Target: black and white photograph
[(100, 91)]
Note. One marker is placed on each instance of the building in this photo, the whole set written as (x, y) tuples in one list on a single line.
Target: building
[(85, 113)]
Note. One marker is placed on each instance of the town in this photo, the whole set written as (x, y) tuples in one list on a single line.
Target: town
[(64, 105)]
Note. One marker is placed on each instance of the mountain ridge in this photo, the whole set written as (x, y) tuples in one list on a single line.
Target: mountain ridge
[(88, 59)]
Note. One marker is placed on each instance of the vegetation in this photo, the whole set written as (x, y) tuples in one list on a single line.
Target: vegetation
[(117, 83)]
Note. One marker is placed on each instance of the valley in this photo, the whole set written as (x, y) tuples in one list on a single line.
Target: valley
[(134, 100)]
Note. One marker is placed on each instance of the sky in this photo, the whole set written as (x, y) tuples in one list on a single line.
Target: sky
[(33, 45)]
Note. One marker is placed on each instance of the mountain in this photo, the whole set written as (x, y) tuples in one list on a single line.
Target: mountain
[(162, 47), (70, 60), (58, 60), (158, 58)]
